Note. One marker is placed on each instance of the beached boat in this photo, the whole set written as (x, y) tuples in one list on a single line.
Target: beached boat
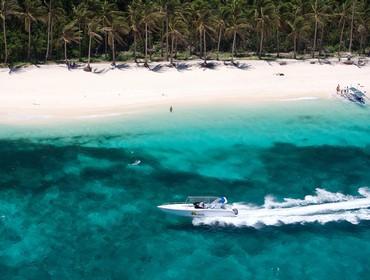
[(201, 206), (354, 94)]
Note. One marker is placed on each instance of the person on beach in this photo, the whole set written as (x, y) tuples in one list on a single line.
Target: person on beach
[(338, 89), (171, 109)]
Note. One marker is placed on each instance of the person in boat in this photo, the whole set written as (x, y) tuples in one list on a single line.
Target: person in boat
[(199, 205)]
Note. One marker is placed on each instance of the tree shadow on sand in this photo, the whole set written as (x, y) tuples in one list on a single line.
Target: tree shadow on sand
[(122, 66), (101, 71), (238, 65), (159, 68), (16, 69), (209, 65), (183, 67)]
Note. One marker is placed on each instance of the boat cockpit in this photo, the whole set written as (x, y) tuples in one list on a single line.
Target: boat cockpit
[(207, 202)]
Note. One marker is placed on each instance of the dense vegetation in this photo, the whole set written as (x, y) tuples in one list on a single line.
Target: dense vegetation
[(37, 31)]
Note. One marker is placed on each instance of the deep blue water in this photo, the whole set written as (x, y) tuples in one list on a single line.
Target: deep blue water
[(72, 206)]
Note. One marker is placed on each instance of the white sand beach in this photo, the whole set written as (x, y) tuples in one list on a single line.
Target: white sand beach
[(52, 92)]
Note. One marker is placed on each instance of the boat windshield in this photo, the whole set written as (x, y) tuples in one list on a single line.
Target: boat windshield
[(205, 199), (207, 202)]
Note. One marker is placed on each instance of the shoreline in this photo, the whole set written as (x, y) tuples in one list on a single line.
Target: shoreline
[(50, 93)]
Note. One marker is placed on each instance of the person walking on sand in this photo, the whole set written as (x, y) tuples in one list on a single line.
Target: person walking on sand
[(171, 109), (338, 89)]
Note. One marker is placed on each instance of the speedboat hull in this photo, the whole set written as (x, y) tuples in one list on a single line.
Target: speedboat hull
[(188, 210)]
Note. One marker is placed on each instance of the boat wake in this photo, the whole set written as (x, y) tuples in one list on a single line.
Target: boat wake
[(323, 207)]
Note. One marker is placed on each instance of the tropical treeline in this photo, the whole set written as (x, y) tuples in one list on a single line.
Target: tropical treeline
[(42, 30)]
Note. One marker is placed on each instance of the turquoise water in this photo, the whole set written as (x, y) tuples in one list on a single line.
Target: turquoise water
[(73, 207)]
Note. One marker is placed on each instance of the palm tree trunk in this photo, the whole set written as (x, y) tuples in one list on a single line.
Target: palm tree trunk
[(79, 41), (135, 58), (146, 45), (200, 44), (295, 46), (48, 35), (167, 38), (65, 52), (205, 46), (89, 55), (105, 43), (315, 38), (5, 42), (261, 41), (219, 43), (363, 46), (172, 47), (278, 42), (351, 31), (321, 40), (29, 42), (161, 35), (233, 47), (341, 38), (51, 37), (150, 46), (175, 48), (113, 51)]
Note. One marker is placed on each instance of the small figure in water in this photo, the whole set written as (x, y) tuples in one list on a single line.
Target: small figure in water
[(171, 109)]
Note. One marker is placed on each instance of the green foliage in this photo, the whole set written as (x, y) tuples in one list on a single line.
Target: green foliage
[(35, 30)]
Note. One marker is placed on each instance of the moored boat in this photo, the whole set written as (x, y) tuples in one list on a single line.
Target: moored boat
[(353, 94)]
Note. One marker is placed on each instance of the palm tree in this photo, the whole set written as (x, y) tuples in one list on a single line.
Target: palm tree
[(297, 24), (49, 6), (70, 34), (204, 22), (343, 11), (167, 8), (173, 9), (236, 22), (362, 33), (363, 23), (54, 13), (354, 2), (264, 13), (280, 20), (177, 29), (220, 25), (134, 15), (93, 28), (115, 29), (318, 13), (106, 12), (80, 15), (7, 8), (32, 12), (150, 18)]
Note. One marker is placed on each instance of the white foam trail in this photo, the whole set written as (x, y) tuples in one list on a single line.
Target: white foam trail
[(323, 207)]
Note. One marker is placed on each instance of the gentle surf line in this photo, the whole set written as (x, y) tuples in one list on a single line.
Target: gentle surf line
[(303, 98), (322, 208)]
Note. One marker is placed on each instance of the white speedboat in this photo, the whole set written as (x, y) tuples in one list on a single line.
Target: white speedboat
[(201, 206)]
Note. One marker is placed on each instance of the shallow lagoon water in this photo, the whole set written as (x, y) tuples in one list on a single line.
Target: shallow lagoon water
[(73, 207)]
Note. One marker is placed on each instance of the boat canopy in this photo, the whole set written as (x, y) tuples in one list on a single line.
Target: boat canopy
[(357, 92), (206, 199)]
